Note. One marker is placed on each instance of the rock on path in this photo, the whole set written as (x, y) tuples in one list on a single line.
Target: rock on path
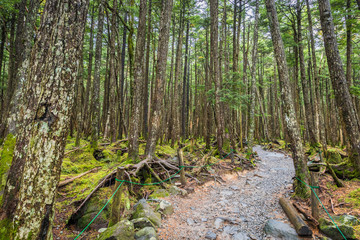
[(237, 209)]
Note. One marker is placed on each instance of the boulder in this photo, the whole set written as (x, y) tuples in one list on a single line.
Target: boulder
[(143, 210), (280, 230), (91, 209), (344, 222), (174, 190), (147, 233), (210, 235), (122, 230), (165, 208), (140, 223)]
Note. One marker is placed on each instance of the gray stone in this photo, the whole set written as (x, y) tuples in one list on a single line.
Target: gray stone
[(147, 233), (231, 229), (234, 188), (280, 230), (142, 223), (174, 190), (204, 219), (240, 236), (210, 235), (165, 208), (143, 210), (190, 222), (218, 223), (120, 231), (101, 230)]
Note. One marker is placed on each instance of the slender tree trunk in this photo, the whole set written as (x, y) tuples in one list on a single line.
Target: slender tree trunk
[(292, 126), (253, 87), (87, 116), (156, 114), (305, 86), (338, 79), (183, 109), (215, 74), (147, 72), (134, 128), (29, 204), (95, 102)]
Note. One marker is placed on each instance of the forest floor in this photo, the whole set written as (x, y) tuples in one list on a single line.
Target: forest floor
[(239, 207)]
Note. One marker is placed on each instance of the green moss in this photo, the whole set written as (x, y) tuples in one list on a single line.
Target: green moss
[(165, 150), (354, 197), (6, 231), (5, 160)]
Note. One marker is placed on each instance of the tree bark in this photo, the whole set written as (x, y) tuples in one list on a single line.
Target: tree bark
[(44, 117), (215, 74), (292, 125), (95, 102), (253, 79), (134, 128), (156, 114), (339, 83)]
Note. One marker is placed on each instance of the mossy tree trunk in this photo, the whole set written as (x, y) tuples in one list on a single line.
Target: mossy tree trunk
[(44, 117), (157, 111), (135, 122), (291, 124), (339, 83)]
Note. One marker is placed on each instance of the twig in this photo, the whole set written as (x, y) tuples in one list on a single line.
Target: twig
[(67, 181)]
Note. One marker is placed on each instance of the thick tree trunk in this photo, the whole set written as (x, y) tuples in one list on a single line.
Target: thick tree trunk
[(338, 79), (156, 114), (292, 126), (44, 118), (134, 128), (95, 101), (183, 108)]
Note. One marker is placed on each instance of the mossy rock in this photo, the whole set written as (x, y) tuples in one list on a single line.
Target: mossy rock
[(165, 208), (147, 233), (160, 193), (6, 157), (333, 156), (92, 207), (354, 197), (343, 222), (123, 230), (140, 223), (346, 170), (143, 210)]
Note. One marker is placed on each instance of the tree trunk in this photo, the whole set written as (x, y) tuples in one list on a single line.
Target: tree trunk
[(28, 204), (305, 86), (95, 102), (253, 79), (338, 79), (156, 114), (215, 73), (183, 109), (292, 126), (134, 128)]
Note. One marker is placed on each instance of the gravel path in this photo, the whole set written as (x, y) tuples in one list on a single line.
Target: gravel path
[(237, 209)]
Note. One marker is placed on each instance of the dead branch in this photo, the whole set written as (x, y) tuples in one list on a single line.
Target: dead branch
[(75, 149), (67, 181)]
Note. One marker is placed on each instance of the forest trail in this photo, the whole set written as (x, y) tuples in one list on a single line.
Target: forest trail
[(247, 200)]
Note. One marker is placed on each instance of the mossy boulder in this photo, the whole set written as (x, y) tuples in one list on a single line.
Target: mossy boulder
[(165, 208), (143, 210), (147, 233), (346, 170), (6, 157), (123, 230), (333, 156), (142, 222), (92, 207), (345, 224), (174, 190), (159, 193)]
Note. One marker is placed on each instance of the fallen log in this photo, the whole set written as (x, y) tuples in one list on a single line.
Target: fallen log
[(308, 216), (300, 226), (75, 149), (67, 181)]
